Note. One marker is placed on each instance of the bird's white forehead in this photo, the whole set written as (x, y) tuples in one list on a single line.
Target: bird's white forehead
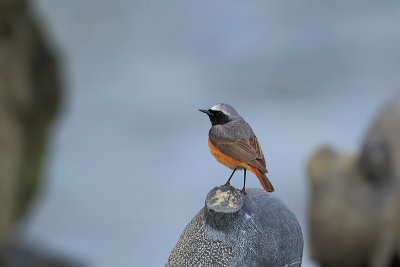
[(220, 108)]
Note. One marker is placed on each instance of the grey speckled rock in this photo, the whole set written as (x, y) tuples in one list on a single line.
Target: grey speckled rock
[(234, 229)]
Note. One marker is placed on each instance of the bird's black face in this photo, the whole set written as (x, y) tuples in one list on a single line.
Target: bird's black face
[(217, 117)]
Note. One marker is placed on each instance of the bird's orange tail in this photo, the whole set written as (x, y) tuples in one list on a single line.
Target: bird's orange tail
[(266, 184)]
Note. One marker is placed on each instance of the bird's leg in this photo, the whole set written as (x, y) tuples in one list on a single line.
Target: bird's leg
[(244, 182), (228, 183)]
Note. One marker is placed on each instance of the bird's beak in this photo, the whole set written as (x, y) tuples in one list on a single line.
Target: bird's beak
[(205, 111)]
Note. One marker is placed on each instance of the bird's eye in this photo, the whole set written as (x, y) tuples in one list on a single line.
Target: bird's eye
[(219, 113)]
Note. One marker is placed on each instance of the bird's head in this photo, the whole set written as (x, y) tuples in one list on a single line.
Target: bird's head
[(221, 114)]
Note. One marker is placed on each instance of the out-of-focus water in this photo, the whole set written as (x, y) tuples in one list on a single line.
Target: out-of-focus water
[(129, 164)]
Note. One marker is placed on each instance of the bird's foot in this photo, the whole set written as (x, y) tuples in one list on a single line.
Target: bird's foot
[(244, 191)]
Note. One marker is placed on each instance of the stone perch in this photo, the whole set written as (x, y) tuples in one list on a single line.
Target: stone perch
[(234, 229)]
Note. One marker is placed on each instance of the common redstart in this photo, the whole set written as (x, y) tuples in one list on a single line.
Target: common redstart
[(233, 143)]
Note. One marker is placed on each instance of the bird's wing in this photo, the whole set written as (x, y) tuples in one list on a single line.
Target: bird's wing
[(246, 150)]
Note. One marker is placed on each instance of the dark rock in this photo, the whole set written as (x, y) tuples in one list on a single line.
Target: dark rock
[(354, 205), (16, 255), (234, 229), (29, 100)]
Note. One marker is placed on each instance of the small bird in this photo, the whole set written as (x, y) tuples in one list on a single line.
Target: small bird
[(233, 143)]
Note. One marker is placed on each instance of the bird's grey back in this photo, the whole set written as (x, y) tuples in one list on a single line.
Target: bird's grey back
[(235, 129)]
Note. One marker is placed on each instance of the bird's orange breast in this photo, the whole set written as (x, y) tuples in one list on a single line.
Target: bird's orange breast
[(228, 161), (233, 163)]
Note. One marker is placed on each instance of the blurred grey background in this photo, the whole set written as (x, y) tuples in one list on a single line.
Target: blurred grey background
[(128, 164)]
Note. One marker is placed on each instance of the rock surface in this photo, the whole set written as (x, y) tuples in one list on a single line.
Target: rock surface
[(15, 255), (29, 100), (234, 229), (354, 205)]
